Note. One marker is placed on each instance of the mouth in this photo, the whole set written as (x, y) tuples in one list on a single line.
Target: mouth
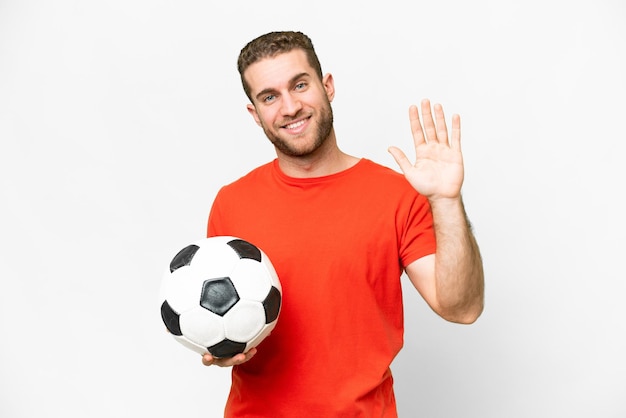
[(296, 126)]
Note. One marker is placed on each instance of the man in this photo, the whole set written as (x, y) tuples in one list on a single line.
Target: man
[(340, 231)]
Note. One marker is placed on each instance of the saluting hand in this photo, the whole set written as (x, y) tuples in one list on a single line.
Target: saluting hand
[(438, 169)]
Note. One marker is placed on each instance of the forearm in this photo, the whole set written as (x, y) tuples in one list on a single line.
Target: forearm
[(459, 279)]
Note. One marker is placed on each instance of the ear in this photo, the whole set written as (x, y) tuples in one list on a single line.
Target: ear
[(329, 86), (255, 115)]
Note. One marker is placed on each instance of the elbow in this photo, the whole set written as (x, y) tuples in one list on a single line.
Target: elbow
[(467, 318), (463, 308), (465, 315)]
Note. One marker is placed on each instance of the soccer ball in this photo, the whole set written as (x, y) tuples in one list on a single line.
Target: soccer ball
[(220, 295)]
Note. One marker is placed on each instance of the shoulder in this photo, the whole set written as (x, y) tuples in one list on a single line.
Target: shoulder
[(246, 188), (374, 174), (379, 170), (251, 177)]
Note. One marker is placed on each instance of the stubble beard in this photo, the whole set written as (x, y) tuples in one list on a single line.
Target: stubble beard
[(323, 130)]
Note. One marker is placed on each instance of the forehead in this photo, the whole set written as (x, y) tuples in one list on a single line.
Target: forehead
[(276, 72)]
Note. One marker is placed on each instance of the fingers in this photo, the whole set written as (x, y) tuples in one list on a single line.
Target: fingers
[(455, 140), (441, 128), (416, 126), (209, 360), (429, 122), (435, 127)]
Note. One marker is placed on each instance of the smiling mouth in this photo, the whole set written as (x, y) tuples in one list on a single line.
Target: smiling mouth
[(296, 125)]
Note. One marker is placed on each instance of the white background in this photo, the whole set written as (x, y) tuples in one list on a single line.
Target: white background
[(119, 121)]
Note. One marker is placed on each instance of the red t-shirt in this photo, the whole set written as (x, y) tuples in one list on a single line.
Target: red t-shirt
[(339, 244)]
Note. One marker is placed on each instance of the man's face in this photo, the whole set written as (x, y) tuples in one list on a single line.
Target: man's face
[(291, 103)]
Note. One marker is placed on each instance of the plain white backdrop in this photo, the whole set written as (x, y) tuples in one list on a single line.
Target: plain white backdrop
[(120, 120)]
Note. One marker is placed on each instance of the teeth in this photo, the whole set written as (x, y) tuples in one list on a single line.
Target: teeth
[(294, 125)]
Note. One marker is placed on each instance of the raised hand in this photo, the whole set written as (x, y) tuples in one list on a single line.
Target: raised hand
[(438, 169)]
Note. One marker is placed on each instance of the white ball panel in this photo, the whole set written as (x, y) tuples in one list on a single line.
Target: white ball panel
[(166, 284), (202, 327), (244, 321), (190, 345), (214, 258), (271, 271), (251, 280), (182, 289)]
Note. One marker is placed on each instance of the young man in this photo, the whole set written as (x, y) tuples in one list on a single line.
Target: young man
[(340, 231)]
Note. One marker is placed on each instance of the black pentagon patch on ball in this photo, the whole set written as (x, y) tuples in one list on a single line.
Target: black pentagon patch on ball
[(245, 250), (171, 319), (226, 348), (218, 295), (271, 304), (184, 257)]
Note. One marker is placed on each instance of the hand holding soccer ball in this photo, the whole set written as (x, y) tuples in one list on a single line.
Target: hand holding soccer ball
[(209, 360)]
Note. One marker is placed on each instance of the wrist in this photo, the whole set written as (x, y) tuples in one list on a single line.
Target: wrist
[(449, 211), (446, 203)]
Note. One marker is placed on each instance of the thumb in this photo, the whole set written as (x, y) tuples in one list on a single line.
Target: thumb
[(208, 359), (400, 158)]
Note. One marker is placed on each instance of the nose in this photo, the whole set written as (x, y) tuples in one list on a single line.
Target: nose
[(291, 105)]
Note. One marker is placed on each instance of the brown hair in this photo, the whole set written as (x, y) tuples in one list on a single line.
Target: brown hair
[(272, 44)]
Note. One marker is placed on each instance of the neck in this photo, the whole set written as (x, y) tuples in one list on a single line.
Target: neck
[(326, 160)]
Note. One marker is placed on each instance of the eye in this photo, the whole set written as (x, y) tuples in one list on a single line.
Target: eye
[(300, 86), (269, 98)]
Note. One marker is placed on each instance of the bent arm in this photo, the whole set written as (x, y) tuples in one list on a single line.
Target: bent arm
[(451, 280)]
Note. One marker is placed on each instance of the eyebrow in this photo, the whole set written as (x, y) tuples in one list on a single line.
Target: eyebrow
[(291, 81)]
